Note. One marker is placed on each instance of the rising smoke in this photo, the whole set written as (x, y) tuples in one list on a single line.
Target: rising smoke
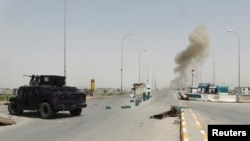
[(194, 54)]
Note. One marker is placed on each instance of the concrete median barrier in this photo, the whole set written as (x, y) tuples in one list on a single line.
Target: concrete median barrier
[(244, 99), (108, 107), (221, 98), (193, 96), (125, 106)]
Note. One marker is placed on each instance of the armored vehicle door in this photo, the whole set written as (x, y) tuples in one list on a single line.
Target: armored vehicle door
[(20, 98), (33, 98), (30, 98), (23, 94)]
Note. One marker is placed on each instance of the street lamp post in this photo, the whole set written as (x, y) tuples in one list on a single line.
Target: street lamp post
[(192, 79), (152, 81), (156, 79), (140, 65), (238, 36), (122, 59), (147, 69), (65, 40), (213, 67)]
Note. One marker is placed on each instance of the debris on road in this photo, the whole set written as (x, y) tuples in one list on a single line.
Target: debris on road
[(6, 121), (107, 107), (177, 121), (184, 96), (125, 106), (173, 112)]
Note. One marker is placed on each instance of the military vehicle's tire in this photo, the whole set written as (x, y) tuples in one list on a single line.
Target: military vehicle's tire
[(46, 111), (75, 112), (12, 108)]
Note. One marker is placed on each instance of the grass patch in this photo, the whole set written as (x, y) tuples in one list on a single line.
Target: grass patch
[(5, 97)]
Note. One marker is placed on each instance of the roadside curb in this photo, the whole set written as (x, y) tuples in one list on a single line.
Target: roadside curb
[(186, 134), (203, 133)]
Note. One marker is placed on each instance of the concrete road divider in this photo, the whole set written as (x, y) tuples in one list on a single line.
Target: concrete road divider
[(107, 107), (125, 106), (221, 98), (244, 98), (194, 96)]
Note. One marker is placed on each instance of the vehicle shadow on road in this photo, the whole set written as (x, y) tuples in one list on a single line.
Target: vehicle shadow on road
[(36, 115)]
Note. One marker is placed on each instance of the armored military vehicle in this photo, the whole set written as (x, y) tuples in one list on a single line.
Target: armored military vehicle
[(48, 95)]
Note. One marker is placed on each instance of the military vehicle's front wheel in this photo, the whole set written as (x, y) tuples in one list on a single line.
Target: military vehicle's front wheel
[(46, 111), (12, 108), (75, 112)]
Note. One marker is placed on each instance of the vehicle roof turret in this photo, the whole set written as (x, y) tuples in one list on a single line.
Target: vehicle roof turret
[(51, 80)]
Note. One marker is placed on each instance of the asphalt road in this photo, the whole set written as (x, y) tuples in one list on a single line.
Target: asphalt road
[(97, 123), (215, 113)]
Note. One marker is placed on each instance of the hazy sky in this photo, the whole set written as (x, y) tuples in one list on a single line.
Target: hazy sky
[(32, 40)]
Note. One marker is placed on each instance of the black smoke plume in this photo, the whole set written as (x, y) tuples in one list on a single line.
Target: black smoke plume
[(194, 54)]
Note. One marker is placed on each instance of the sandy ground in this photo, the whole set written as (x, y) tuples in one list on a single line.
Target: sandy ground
[(7, 119)]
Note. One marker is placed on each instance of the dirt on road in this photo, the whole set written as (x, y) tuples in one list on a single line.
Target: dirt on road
[(6, 121)]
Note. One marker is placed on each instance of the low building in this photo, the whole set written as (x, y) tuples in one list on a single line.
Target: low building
[(6, 91), (244, 90)]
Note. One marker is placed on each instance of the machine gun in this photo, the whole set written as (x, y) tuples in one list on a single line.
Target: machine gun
[(34, 79), (52, 80)]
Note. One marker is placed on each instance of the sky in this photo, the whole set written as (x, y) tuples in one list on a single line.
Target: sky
[(32, 41)]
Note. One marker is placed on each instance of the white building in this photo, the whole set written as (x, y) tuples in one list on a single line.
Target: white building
[(244, 90)]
